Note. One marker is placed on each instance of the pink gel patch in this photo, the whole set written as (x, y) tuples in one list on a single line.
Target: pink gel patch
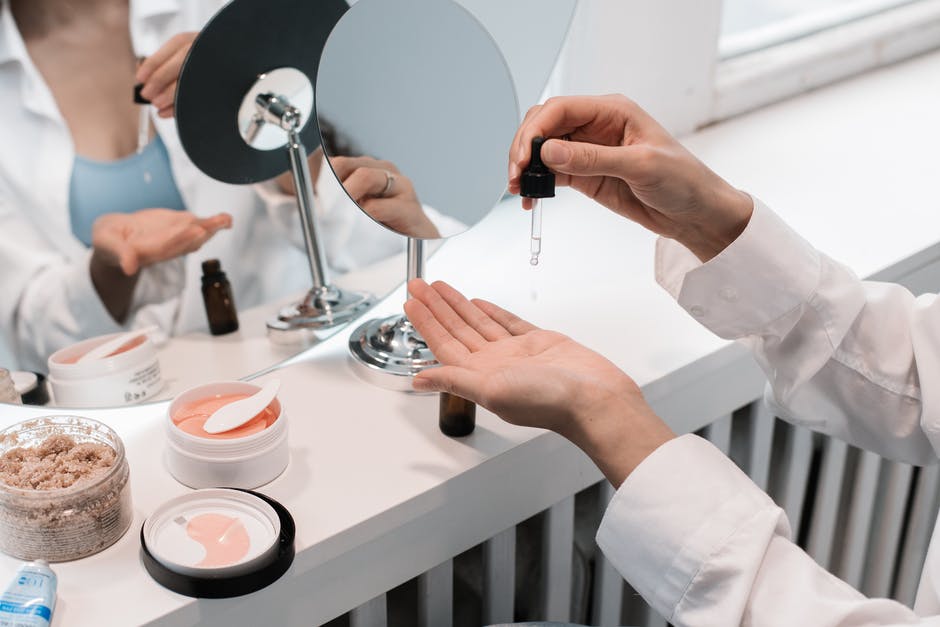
[(121, 349), (224, 538), (191, 417)]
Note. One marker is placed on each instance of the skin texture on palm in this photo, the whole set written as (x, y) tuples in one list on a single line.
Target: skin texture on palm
[(534, 378)]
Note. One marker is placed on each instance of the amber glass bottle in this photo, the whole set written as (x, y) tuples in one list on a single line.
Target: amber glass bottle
[(458, 416), (217, 294)]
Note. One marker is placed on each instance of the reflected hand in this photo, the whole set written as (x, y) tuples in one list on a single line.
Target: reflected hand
[(621, 157), (385, 194), (532, 377), (160, 72), (132, 241)]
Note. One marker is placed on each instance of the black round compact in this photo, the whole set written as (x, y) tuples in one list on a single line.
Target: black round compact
[(218, 543)]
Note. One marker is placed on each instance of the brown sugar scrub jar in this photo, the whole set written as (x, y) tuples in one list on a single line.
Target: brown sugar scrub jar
[(64, 488)]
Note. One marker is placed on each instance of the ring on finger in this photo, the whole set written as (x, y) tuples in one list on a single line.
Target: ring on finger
[(389, 184)]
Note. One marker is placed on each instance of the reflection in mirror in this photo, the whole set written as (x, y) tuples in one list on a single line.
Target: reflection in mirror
[(426, 104), (288, 83), (530, 34), (427, 118), (58, 293)]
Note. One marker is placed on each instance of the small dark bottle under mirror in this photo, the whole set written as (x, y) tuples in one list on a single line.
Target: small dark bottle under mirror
[(458, 415)]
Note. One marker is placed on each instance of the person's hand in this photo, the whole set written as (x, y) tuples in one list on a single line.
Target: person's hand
[(621, 157), (532, 377), (385, 194), (160, 72), (131, 241)]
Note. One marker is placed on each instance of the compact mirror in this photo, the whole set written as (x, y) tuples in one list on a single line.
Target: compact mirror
[(419, 109)]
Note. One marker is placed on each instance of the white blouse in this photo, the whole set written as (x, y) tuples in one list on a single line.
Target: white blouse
[(859, 360)]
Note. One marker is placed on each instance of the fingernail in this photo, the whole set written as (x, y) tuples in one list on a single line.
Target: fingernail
[(513, 170), (555, 153), (420, 384)]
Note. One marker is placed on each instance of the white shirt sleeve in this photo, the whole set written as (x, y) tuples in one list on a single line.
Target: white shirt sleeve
[(841, 355), (50, 301), (705, 546)]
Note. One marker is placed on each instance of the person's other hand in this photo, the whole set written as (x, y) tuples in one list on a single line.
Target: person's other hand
[(385, 194), (621, 157), (160, 72), (532, 377), (132, 241)]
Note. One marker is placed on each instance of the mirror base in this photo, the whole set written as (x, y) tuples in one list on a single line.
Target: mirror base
[(389, 352), (321, 309)]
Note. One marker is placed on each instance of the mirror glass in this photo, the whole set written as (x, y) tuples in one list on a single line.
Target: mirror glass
[(530, 34), (417, 109), (287, 82)]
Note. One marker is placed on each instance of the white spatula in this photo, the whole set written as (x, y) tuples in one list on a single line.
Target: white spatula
[(103, 350), (236, 414)]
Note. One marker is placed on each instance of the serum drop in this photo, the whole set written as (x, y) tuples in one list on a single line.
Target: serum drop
[(536, 182)]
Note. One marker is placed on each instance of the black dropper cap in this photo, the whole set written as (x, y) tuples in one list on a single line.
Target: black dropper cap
[(537, 181), (138, 97)]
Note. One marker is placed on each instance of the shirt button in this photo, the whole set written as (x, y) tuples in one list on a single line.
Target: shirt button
[(697, 311), (729, 294)]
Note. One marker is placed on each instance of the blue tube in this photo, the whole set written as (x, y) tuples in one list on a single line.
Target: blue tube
[(30, 598)]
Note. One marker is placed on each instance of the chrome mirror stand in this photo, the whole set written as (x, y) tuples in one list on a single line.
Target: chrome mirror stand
[(388, 352), (325, 305)]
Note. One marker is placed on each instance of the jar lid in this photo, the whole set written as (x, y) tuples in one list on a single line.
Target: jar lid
[(218, 543), (31, 386)]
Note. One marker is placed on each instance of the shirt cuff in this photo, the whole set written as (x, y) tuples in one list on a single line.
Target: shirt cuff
[(674, 511), (768, 271)]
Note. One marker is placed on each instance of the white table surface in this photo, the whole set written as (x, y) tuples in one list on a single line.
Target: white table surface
[(379, 495)]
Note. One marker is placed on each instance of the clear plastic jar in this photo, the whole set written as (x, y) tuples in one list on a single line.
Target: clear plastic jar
[(8, 393), (64, 524)]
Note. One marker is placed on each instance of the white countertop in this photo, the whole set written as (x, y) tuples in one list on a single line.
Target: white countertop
[(379, 495)]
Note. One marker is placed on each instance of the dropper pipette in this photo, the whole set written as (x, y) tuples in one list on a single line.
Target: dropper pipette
[(535, 233), (536, 182)]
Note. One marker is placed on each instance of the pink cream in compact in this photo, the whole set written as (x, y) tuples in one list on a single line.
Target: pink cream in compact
[(191, 417), (246, 457)]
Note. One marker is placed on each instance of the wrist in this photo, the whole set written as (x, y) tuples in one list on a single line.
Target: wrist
[(114, 287), (618, 433), (724, 215)]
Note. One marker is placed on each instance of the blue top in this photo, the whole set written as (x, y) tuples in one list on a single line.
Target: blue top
[(140, 181)]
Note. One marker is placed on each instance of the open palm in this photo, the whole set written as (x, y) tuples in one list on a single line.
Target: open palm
[(526, 375), (137, 240)]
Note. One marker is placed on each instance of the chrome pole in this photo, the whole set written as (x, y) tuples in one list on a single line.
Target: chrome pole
[(305, 203)]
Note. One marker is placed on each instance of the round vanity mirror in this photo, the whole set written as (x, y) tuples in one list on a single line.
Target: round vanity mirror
[(417, 109), (245, 46)]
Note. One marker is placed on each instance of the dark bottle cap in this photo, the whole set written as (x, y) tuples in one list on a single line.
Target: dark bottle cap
[(537, 181), (138, 98), (211, 266)]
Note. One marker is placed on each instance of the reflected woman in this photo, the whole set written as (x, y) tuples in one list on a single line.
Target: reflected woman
[(95, 236)]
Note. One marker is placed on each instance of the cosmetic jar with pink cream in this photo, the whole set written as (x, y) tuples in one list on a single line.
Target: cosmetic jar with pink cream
[(129, 374), (248, 456)]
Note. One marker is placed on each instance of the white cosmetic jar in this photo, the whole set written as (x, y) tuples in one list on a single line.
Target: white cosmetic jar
[(128, 377), (242, 462)]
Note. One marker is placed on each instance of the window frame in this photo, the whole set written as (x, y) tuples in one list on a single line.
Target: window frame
[(688, 86), (761, 77)]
